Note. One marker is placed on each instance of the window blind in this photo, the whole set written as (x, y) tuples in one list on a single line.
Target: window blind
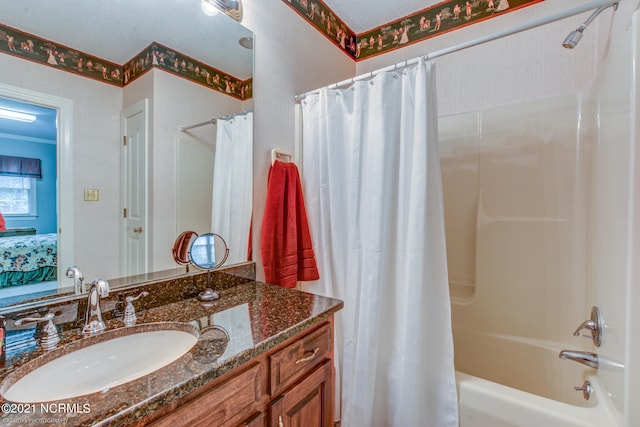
[(20, 166)]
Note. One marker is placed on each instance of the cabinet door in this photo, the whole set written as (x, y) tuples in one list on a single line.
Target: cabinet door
[(308, 403), (256, 420)]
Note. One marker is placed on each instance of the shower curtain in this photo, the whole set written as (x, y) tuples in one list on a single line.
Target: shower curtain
[(232, 184), (374, 196)]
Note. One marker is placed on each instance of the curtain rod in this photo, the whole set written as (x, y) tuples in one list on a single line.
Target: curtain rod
[(197, 125), (533, 24), (213, 121)]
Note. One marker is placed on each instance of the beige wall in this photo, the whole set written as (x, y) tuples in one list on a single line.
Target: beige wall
[(95, 136)]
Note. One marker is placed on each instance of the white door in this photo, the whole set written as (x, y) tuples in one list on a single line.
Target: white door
[(135, 224)]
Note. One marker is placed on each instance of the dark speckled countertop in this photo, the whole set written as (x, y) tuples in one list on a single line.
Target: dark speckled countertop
[(257, 317)]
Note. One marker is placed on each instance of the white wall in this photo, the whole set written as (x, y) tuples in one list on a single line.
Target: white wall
[(291, 57)]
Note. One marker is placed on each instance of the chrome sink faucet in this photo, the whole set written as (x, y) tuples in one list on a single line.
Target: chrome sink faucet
[(93, 323), (74, 273), (586, 358)]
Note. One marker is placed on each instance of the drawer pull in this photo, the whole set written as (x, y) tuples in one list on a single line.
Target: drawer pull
[(308, 358), (280, 423)]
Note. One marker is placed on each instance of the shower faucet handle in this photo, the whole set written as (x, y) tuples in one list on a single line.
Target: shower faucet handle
[(595, 324)]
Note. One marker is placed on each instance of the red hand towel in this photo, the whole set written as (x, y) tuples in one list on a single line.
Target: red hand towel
[(285, 239)]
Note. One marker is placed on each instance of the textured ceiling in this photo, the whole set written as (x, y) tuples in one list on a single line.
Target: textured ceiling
[(363, 15), (117, 30)]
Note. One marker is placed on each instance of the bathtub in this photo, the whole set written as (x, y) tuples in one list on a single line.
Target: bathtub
[(507, 381)]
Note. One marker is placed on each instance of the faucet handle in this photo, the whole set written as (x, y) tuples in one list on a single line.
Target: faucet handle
[(130, 317), (595, 324), (49, 337), (586, 389), (131, 299), (587, 324)]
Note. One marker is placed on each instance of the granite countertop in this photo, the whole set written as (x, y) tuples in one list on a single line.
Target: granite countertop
[(257, 317)]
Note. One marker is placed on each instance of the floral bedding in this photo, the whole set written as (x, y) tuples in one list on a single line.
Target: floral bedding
[(20, 255)]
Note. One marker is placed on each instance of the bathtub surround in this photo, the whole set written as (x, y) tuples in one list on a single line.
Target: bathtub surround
[(373, 187), (554, 250)]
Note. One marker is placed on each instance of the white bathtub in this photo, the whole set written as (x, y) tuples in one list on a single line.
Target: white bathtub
[(513, 382)]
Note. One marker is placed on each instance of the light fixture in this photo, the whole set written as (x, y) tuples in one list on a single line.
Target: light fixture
[(16, 115), (232, 8), (575, 36), (208, 8)]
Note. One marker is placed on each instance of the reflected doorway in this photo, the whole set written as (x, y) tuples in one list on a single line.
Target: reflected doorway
[(38, 205), (28, 199)]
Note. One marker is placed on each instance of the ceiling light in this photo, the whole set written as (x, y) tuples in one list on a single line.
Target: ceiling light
[(232, 8), (208, 8), (16, 115)]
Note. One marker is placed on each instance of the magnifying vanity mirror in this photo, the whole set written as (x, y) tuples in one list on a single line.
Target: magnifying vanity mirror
[(207, 252), (181, 248), (112, 71)]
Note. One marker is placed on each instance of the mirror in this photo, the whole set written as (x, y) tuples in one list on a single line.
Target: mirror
[(208, 251), (181, 247), (183, 93)]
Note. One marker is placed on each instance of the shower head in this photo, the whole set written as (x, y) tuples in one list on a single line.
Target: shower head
[(575, 36)]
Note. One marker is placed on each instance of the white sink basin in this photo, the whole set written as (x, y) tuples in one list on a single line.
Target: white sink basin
[(107, 360)]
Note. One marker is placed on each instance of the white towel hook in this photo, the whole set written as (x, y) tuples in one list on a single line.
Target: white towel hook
[(281, 155)]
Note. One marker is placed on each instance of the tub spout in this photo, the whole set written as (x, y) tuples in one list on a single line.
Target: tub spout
[(586, 358)]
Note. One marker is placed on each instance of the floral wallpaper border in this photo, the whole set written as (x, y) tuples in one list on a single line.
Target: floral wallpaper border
[(172, 61), (46, 52), (438, 19), (317, 13)]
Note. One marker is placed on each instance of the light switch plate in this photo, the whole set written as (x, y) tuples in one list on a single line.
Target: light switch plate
[(91, 195)]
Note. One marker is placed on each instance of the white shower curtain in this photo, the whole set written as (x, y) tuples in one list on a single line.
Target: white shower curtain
[(232, 184), (374, 196)]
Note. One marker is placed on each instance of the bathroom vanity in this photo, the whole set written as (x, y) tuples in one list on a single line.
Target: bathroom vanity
[(289, 385), (269, 361)]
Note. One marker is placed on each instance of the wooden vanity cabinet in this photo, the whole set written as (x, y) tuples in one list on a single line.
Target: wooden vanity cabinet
[(289, 385), (309, 403)]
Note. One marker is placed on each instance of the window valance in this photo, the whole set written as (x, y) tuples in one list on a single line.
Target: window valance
[(20, 166)]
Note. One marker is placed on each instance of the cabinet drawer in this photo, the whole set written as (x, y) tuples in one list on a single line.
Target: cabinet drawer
[(299, 358), (236, 397)]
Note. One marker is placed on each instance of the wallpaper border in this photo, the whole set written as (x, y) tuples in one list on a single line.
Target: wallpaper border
[(36, 49)]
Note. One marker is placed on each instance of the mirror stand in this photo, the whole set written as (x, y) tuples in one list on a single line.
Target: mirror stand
[(202, 252)]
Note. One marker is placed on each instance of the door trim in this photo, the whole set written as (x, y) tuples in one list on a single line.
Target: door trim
[(64, 162)]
